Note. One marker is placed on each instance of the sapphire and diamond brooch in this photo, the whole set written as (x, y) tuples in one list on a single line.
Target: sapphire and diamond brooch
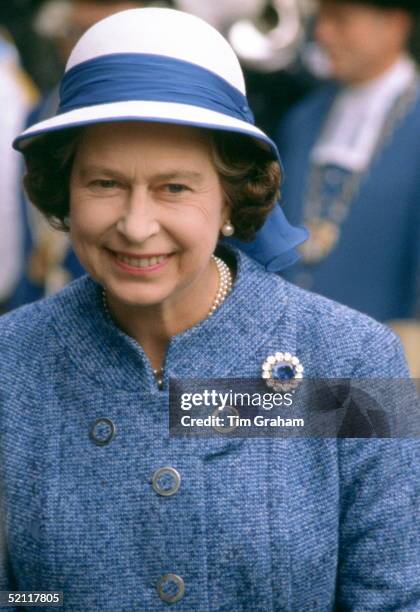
[(282, 371)]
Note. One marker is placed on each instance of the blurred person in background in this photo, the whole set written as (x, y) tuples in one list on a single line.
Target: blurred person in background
[(50, 262), (37, 55), (17, 94), (351, 155)]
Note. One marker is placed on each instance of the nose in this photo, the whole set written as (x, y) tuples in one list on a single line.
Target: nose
[(139, 221)]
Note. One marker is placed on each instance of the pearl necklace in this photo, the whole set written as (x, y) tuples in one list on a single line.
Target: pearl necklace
[(225, 285)]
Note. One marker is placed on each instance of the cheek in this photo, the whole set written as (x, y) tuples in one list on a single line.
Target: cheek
[(363, 40), (200, 223), (88, 218)]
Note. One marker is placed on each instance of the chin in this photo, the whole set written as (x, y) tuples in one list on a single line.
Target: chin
[(132, 296), (341, 72)]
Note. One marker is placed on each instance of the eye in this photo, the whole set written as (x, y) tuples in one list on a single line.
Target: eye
[(105, 183), (176, 188)]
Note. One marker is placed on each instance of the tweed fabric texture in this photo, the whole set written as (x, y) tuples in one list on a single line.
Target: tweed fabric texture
[(263, 524)]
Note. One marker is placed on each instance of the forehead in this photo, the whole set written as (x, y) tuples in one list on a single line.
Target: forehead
[(142, 147), (358, 21), (349, 6), (138, 136)]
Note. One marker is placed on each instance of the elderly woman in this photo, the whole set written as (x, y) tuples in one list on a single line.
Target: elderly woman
[(170, 194)]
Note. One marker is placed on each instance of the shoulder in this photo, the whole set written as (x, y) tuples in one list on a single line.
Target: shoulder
[(409, 120), (416, 106), (330, 339), (312, 106), (299, 127), (22, 326), (27, 331), (347, 342)]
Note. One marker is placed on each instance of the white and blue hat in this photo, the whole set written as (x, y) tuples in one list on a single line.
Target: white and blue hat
[(166, 66)]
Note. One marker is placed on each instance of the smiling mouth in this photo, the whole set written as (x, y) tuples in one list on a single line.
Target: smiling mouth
[(141, 262)]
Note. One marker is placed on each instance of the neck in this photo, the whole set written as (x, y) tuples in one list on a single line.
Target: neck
[(153, 326)]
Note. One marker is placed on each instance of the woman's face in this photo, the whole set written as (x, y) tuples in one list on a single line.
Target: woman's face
[(146, 208)]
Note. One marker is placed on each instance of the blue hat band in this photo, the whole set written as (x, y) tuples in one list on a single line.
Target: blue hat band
[(123, 77)]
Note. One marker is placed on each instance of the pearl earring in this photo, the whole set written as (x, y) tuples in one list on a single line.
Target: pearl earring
[(228, 229)]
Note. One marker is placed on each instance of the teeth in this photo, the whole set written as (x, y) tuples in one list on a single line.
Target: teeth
[(143, 262)]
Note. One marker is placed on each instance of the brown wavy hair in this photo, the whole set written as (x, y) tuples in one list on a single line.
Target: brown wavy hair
[(249, 176)]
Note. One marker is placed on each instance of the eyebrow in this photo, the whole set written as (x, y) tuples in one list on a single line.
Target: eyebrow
[(177, 173)]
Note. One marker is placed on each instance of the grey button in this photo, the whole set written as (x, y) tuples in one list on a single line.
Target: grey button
[(225, 427), (166, 481), (171, 588), (102, 431)]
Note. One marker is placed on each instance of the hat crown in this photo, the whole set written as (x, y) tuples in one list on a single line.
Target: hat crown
[(160, 31)]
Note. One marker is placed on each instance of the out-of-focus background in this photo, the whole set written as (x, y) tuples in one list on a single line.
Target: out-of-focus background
[(334, 82)]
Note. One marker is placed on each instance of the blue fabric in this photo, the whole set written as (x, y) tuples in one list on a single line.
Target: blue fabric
[(274, 244), (120, 77), (375, 267), (257, 524)]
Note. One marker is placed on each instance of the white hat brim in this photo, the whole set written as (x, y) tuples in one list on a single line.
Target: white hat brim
[(140, 110)]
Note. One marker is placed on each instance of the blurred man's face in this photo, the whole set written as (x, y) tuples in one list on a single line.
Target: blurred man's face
[(361, 40)]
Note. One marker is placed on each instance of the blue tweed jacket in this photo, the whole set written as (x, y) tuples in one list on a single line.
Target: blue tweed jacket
[(264, 524)]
